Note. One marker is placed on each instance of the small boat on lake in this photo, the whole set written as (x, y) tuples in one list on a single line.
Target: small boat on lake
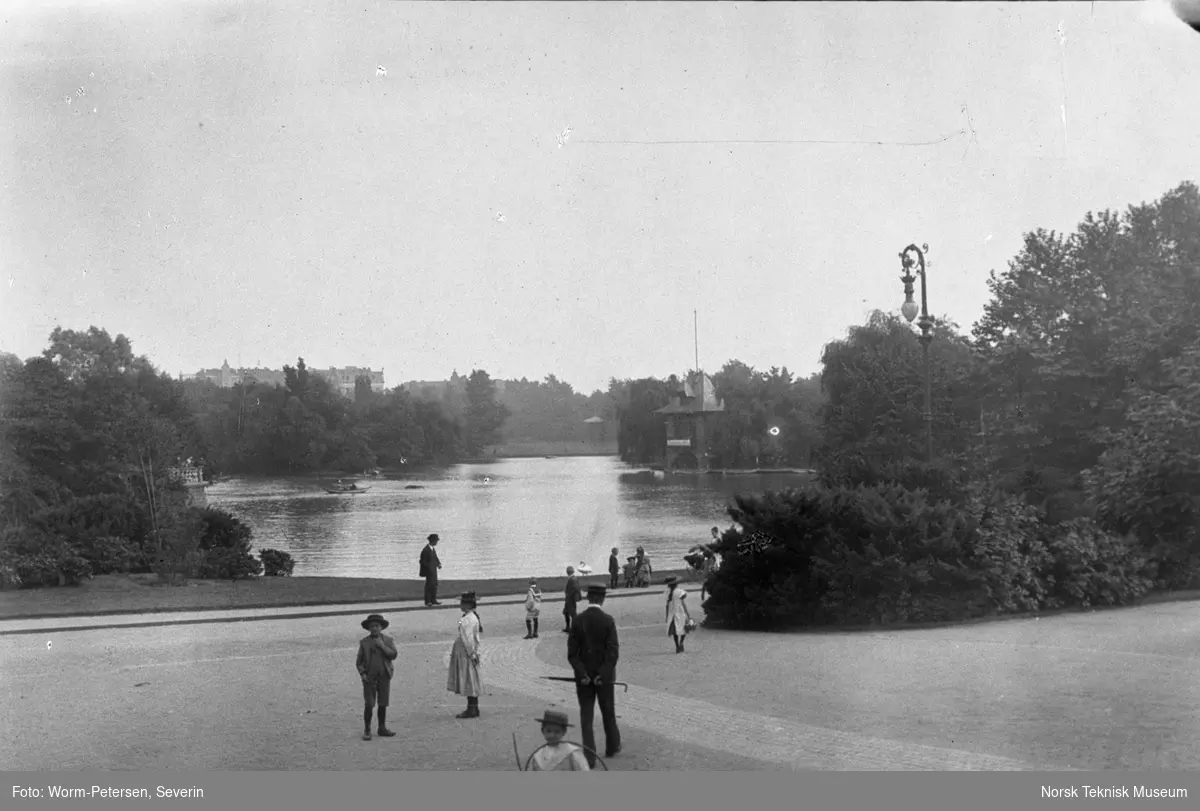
[(340, 487)]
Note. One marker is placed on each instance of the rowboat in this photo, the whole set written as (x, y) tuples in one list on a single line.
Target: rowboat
[(339, 488)]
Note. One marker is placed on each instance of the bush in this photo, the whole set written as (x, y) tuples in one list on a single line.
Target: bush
[(276, 563), (220, 563), (107, 554), (224, 544), (1094, 567), (221, 529), (1007, 551), (35, 559), (844, 555), (885, 553), (942, 480)]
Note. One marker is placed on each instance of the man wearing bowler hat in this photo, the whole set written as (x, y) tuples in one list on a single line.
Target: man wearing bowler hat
[(592, 650), (430, 563)]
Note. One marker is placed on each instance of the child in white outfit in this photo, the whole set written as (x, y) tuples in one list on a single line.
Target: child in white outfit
[(533, 607)]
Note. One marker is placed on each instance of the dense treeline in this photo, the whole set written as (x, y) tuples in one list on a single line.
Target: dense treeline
[(741, 436), (1067, 429), (94, 438), (305, 425), (552, 411)]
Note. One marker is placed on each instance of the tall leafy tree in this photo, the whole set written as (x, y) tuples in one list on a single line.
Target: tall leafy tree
[(484, 417)]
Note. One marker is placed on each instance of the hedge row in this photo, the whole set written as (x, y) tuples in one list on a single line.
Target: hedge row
[(884, 553), (206, 543)]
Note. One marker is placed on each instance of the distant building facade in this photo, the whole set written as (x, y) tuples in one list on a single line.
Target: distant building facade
[(436, 389), (345, 379), (342, 380)]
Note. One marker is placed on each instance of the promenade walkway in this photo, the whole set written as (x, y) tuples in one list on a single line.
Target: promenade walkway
[(1109, 690)]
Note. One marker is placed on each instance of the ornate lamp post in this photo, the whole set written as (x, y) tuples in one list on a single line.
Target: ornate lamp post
[(909, 309)]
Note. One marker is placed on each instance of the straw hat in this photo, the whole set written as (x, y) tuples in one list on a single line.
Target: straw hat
[(554, 717), (374, 618)]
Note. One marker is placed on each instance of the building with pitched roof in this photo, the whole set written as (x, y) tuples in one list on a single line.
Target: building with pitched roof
[(689, 418)]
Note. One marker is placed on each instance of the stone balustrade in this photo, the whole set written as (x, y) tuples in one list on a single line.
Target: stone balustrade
[(188, 475)]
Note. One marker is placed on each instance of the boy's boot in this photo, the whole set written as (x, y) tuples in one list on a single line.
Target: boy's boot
[(384, 732), (472, 710), (529, 629), (367, 724), (535, 628)]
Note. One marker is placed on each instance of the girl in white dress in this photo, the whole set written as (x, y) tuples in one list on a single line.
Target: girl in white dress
[(557, 756), (533, 608), (463, 677), (678, 617)]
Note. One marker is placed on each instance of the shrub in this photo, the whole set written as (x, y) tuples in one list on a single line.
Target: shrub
[(9, 578), (770, 588), (1094, 567), (864, 554), (222, 563), (37, 559), (276, 563), (224, 544), (221, 529), (943, 479), (899, 558), (1006, 550), (108, 554)]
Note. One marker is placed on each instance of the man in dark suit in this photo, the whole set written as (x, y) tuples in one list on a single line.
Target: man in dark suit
[(592, 650), (430, 563)]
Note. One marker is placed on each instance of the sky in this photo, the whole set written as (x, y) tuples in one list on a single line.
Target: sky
[(554, 188)]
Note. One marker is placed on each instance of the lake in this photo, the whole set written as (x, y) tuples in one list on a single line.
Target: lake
[(509, 518)]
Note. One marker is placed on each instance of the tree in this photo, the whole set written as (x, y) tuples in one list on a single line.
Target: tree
[(873, 381), (484, 416), (1078, 324)]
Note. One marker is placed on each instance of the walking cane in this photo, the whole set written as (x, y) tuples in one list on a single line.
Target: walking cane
[(517, 753), (572, 678)]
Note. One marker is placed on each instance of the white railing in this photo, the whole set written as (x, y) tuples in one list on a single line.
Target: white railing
[(188, 475)]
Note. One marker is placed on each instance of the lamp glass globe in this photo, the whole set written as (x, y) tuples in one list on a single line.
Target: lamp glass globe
[(909, 310)]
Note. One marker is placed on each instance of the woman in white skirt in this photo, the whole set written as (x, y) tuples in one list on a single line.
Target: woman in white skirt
[(678, 617), (463, 678)]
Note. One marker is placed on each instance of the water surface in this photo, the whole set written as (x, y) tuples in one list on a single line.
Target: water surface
[(509, 518)]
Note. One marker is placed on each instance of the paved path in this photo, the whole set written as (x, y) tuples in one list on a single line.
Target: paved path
[(1110, 690), (512, 665)]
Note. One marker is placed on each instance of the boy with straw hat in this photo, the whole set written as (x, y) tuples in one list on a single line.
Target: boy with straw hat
[(376, 652), (557, 756)]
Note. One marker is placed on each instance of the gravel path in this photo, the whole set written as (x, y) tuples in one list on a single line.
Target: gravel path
[(1113, 690)]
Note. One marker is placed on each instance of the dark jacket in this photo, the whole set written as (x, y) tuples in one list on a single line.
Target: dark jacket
[(429, 561), (592, 647), (613, 566), (378, 654), (573, 594)]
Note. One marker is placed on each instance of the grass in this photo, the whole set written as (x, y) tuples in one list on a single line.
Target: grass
[(136, 594)]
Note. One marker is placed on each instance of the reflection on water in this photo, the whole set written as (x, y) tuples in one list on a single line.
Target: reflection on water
[(510, 518)]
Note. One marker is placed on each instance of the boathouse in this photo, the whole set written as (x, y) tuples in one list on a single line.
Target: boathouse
[(689, 419)]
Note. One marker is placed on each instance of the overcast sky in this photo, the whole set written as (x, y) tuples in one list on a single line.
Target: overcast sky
[(239, 180)]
